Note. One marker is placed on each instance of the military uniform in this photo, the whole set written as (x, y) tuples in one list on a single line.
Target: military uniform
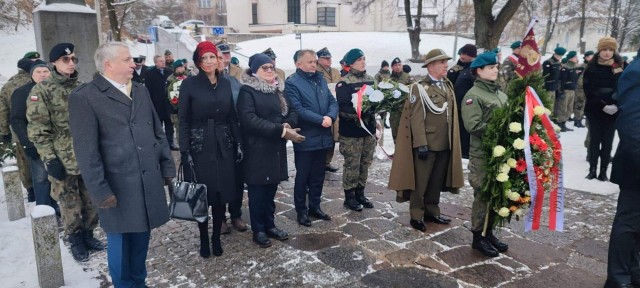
[(15, 82), (331, 75), (477, 109), (234, 71), (552, 83), (508, 69), (396, 113), (564, 106), (580, 99), (48, 115), (172, 79), (382, 75), (454, 71)]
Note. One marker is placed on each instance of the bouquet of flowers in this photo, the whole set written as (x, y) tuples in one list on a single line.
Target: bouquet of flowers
[(174, 93), (381, 97)]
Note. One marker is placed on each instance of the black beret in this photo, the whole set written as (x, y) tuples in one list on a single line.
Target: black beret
[(61, 49), (406, 68), (25, 64), (384, 64), (395, 61)]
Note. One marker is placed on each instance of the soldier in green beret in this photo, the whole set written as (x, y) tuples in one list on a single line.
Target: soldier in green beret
[(551, 73), (508, 68), (570, 75)]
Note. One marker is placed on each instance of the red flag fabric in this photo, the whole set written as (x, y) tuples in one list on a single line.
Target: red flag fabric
[(529, 59)]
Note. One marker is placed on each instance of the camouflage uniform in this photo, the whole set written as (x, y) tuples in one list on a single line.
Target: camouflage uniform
[(15, 82), (48, 115), (564, 106), (508, 70), (172, 79), (580, 99), (551, 72), (382, 75), (396, 113)]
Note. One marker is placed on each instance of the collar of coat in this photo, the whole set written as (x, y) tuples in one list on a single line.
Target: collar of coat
[(58, 78), (259, 84), (310, 76), (487, 85)]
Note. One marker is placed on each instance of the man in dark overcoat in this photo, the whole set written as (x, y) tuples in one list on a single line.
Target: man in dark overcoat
[(156, 82), (124, 158)]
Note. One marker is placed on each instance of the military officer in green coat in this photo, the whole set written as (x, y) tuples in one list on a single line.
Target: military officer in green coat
[(477, 109)]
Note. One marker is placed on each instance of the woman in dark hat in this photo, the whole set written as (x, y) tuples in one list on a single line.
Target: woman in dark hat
[(266, 120), (209, 136)]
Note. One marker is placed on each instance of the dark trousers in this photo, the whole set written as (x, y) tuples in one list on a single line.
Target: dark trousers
[(601, 130), (430, 175), (126, 255), (624, 241), (262, 207), (309, 179), (41, 184), (235, 206), (168, 129)]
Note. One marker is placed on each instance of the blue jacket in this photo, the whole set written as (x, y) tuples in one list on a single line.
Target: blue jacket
[(628, 121), (312, 99)]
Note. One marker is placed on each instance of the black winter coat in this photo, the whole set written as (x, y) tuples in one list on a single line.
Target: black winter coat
[(19, 114), (600, 83), (156, 83), (140, 78), (209, 132), (552, 75), (261, 118)]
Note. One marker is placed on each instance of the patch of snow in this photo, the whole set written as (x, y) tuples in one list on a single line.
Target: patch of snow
[(42, 211), (64, 7)]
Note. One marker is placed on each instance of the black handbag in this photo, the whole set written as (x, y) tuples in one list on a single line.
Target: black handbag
[(188, 199)]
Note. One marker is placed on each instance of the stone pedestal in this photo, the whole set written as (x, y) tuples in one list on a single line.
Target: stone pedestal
[(13, 193), (47, 247), (70, 21)]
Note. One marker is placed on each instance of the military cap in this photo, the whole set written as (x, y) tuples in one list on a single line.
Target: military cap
[(223, 47), (32, 55), (61, 49), (469, 50), (564, 60), (516, 44), (395, 61), (177, 63), (235, 61), (406, 68), (323, 53), (353, 55), (384, 64), (560, 51), (435, 55), (484, 59), (270, 53), (167, 52), (25, 64), (588, 53), (571, 54), (138, 60)]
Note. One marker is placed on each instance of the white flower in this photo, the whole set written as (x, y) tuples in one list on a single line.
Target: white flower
[(385, 85), (527, 193), (512, 162), (354, 101), (502, 177), (498, 151), (514, 196), (376, 96), (503, 212), (396, 94), (368, 91), (547, 111), (504, 168), (538, 110), (515, 127), (518, 144), (403, 88), (556, 127), (519, 212), (172, 94), (176, 86), (507, 192)]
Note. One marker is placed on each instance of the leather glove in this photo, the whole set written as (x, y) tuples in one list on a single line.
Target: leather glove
[(6, 138), (56, 169), (239, 154), (292, 134), (32, 153), (610, 109), (423, 151), (185, 157)]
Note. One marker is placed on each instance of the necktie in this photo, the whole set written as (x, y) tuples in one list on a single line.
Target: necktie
[(162, 72)]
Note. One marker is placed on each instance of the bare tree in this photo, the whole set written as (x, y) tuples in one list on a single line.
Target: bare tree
[(630, 22), (413, 27), (16, 13), (615, 18), (551, 23), (488, 27), (583, 21)]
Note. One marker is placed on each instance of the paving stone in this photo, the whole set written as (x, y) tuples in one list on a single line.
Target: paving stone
[(510, 263), (478, 275), (425, 247), (429, 262), (592, 248), (379, 246), (388, 215), (461, 256), (408, 277), (315, 241), (349, 259), (365, 214), (381, 265), (455, 211), (403, 257), (359, 231), (380, 225), (533, 254), (432, 228), (559, 276), (402, 235), (589, 264), (454, 237)]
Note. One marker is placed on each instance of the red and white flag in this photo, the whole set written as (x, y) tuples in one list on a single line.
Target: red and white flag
[(529, 59)]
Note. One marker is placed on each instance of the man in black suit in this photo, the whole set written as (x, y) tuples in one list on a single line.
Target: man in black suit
[(156, 82), (138, 72)]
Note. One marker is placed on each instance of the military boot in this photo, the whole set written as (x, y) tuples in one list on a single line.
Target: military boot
[(563, 127), (78, 248), (496, 243), (350, 201), (578, 123), (91, 242), (603, 173), (483, 245), (361, 199), (592, 173)]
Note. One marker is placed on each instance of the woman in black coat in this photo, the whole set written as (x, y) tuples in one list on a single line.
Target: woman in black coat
[(209, 134), (266, 121), (600, 82)]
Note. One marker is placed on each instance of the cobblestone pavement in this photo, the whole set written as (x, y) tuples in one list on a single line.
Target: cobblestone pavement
[(378, 248)]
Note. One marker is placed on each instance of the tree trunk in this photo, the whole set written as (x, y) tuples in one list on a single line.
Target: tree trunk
[(487, 29), (625, 24), (583, 20), (549, 29), (615, 21), (414, 29), (113, 20)]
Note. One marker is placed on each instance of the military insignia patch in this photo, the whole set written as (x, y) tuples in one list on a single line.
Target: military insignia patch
[(412, 99), (339, 85), (33, 98), (469, 101), (67, 50)]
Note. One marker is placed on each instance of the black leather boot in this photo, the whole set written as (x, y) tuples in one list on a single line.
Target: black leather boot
[(603, 173), (592, 173), (578, 123), (350, 201), (496, 243), (483, 245), (31, 196), (205, 252), (78, 248), (361, 199), (91, 242)]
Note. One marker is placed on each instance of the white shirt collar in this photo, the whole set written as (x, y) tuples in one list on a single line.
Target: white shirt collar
[(121, 87)]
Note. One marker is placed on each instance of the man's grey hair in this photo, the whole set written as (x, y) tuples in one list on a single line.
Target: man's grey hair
[(303, 52), (107, 51), (155, 58)]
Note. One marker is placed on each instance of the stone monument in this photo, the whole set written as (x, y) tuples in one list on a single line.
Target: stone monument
[(72, 21), (47, 247), (13, 192)]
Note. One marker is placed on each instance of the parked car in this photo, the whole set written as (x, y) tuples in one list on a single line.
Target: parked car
[(164, 22), (191, 24), (143, 38)]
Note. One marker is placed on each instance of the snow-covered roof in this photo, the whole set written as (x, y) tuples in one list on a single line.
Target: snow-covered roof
[(64, 7)]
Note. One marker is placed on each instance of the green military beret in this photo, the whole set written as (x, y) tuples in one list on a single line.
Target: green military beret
[(516, 44), (484, 59), (32, 55), (560, 51), (571, 54), (353, 55), (177, 64), (235, 61), (588, 53)]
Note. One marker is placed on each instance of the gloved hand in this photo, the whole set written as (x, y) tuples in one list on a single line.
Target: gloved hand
[(6, 138), (185, 157), (292, 134), (610, 109), (239, 154), (56, 169), (32, 153), (423, 151)]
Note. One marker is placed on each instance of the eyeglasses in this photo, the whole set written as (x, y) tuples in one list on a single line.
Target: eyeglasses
[(66, 59), (267, 68)]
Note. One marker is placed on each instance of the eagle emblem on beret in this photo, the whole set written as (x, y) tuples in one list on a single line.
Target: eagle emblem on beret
[(67, 50)]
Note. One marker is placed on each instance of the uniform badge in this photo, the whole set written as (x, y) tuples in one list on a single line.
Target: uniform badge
[(469, 101), (33, 98), (412, 99), (339, 84), (66, 50)]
